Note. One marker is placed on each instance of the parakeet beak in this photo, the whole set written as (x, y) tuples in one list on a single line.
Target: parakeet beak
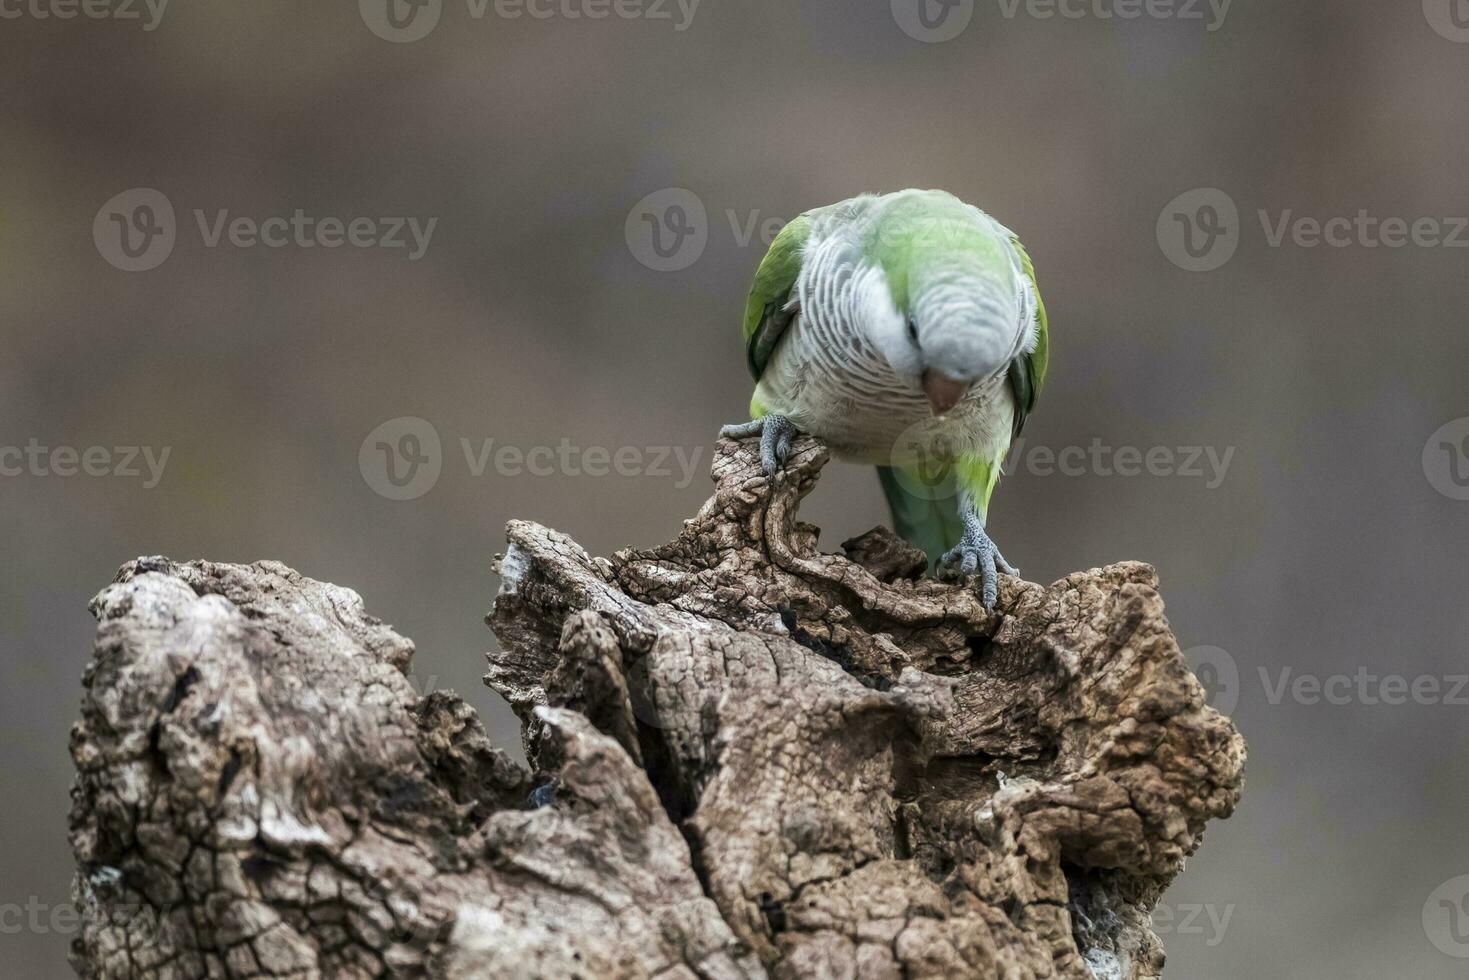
[(943, 392)]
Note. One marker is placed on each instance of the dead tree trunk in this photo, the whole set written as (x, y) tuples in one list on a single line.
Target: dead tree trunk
[(750, 759)]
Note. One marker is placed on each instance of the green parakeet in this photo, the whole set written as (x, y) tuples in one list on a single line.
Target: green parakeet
[(905, 330)]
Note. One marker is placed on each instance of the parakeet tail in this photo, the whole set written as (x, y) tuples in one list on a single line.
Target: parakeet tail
[(931, 524)]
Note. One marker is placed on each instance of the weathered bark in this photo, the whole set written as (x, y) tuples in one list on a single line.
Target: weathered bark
[(750, 759)]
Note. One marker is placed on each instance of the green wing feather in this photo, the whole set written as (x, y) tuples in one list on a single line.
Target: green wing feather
[(767, 311), (1028, 372)]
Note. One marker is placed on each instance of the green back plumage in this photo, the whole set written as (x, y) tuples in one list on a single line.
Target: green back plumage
[(766, 310), (1028, 373)]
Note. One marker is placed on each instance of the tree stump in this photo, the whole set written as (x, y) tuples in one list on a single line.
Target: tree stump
[(749, 759)]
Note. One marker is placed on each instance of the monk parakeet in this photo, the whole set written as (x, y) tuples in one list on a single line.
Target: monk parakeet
[(901, 329)]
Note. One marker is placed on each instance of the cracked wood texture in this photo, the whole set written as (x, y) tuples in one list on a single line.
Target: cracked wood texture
[(748, 759)]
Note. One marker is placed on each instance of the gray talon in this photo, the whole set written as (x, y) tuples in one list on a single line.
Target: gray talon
[(742, 430), (776, 433), (976, 554)]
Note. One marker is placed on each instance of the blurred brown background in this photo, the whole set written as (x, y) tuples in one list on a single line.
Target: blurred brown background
[(1332, 544)]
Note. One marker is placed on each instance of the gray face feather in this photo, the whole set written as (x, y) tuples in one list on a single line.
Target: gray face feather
[(963, 318), (969, 326)]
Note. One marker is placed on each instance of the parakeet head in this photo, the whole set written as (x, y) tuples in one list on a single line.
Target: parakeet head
[(962, 330), (952, 295)]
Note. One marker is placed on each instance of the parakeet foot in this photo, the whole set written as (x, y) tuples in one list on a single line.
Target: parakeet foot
[(776, 433), (976, 554)]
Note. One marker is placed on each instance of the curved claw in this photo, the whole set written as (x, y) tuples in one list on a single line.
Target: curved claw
[(742, 430), (776, 434), (976, 554)]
